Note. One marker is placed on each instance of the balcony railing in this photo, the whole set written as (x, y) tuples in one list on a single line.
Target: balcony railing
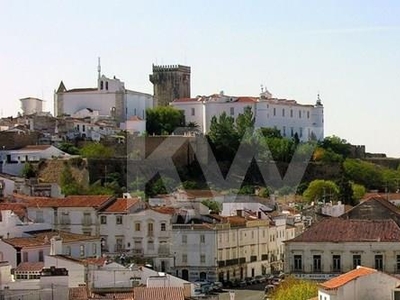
[(242, 260), (231, 262)]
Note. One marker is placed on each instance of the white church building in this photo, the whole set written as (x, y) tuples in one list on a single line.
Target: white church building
[(109, 98), (288, 116)]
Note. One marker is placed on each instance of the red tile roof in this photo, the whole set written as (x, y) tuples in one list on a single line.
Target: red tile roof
[(30, 267), (43, 238), (343, 279), (158, 293), (341, 230), (165, 210), (121, 205), (17, 208), (94, 201)]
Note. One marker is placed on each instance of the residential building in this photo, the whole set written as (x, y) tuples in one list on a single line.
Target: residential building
[(13, 161), (36, 245), (359, 284), (335, 245), (109, 98), (115, 227), (288, 116), (75, 214), (222, 249)]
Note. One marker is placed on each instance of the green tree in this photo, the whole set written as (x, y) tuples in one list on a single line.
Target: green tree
[(346, 194), (270, 132), (364, 173), (163, 120), (213, 205), (321, 190), (69, 148), (295, 289), (247, 190), (28, 171), (245, 122), (337, 145), (358, 192), (97, 150)]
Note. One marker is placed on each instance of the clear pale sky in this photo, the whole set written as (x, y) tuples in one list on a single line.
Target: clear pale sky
[(348, 51)]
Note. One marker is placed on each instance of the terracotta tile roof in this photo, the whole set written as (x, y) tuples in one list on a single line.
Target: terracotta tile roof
[(17, 208), (247, 99), (30, 267), (121, 205), (101, 261), (343, 279), (165, 210), (158, 293), (94, 201), (35, 147), (349, 230), (43, 238)]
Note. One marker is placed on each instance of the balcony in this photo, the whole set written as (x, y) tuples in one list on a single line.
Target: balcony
[(221, 263), (242, 260), (253, 258), (232, 262)]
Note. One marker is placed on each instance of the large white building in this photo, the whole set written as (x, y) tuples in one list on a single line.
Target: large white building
[(31, 105), (109, 98), (288, 116)]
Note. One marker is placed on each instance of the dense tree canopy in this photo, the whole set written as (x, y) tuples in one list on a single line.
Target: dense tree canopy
[(164, 120), (321, 190)]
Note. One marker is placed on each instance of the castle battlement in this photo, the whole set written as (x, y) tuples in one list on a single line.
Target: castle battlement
[(170, 68)]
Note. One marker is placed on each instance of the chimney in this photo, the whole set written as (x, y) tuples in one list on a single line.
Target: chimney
[(56, 245)]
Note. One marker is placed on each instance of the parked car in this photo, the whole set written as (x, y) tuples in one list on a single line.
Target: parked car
[(269, 288), (259, 279), (242, 283), (250, 280), (217, 286)]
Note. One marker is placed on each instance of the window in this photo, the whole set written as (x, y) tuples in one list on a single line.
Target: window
[(291, 132), (228, 253), (118, 220), (193, 111), (356, 260), (232, 111), (150, 245), (103, 219), (119, 242), (68, 250), (82, 250), (398, 263), (274, 111), (39, 216), (202, 258), (252, 234), (291, 113), (64, 218), (336, 264), (301, 132), (299, 114), (163, 227), (298, 264), (184, 239), (283, 112), (379, 262), (94, 249), (101, 84), (202, 238), (308, 115), (107, 85), (150, 231), (87, 219), (184, 258), (25, 256), (83, 128), (317, 263), (137, 226), (284, 130)]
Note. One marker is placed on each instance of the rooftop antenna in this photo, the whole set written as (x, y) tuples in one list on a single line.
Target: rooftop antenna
[(98, 68)]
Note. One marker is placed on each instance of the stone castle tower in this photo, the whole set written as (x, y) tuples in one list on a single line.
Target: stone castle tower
[(170, 83)]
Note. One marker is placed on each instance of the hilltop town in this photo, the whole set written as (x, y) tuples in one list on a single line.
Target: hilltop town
[(124, 194)]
